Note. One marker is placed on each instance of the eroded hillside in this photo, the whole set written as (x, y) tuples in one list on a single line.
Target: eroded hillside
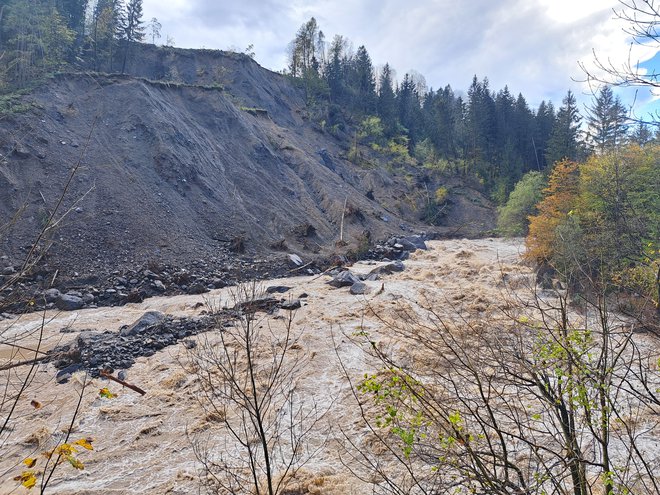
[(193, 151)]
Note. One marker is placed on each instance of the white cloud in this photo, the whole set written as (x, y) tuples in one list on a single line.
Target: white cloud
[(533, 46)]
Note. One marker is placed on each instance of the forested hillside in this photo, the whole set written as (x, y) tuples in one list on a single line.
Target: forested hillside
[(494, 135)]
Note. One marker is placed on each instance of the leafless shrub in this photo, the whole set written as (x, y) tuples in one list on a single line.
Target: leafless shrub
[(535, 399), (247, 374)]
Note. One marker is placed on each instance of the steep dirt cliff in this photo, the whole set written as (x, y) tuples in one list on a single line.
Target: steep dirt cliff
[(194, 150)]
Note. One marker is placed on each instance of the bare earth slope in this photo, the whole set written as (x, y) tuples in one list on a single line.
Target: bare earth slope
[(174, 171)]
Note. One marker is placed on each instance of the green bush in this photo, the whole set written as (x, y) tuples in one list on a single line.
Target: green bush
[(521, 204)]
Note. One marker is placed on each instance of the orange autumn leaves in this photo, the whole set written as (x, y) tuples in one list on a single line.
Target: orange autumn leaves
[(559, 199), (603, 218)]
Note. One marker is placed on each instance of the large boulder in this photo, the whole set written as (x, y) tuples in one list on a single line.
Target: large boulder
[(69, 302), (413, 242), (388, 269), (344, 279), (148, 320), (358, 288)]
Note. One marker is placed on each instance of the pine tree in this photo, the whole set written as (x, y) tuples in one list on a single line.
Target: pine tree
[(641, 134), (365, 82), (543, 123), (105, 32), (387, 110), (131, 27), (564, 139), (409, 110), (607, 121)]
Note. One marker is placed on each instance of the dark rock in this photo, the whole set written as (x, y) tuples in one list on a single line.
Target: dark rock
[(395, 266), (344, 279), (20, 151), (68, 302), (146, 321), (197, 288), (263, 304), (295, 260), (8, 270), (291, 305), (358, 288), (158, 285), (304, 295), (52, 295), (87, 339), (218, 283), (416, 240), (64, 375), (135, 296), (88, 298), (279, 289)]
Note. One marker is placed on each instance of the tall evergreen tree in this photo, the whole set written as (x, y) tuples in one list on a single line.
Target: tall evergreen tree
[(641, 134), (131, 27), (409, 110), (334, 71), (365, 82), (387, 110), (607, 121), (544, 121), (564, 139)]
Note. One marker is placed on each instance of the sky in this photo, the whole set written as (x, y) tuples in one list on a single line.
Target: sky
[(532, 46)]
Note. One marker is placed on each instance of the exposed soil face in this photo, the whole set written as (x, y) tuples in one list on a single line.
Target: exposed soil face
[(182, 174)]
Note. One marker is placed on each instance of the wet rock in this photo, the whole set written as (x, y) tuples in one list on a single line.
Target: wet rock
[(295, 260), (291, 305), (145, 322), (135, 296), (358, 288), (64, 375), (413, 243), (159, 286), (69, 302), (218, 283), (266, 304), (344, 279), (388, 269), (197, 288), (279, 289), (52, 295)]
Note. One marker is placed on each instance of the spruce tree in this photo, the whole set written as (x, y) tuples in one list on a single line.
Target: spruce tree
[(564, 139), (607, 121)]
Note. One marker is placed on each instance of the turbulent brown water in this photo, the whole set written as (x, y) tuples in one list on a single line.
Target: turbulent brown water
[(140, 442)]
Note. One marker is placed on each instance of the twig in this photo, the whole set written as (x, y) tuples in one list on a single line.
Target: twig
[(301, 267), (23, 363), (135, 388)]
